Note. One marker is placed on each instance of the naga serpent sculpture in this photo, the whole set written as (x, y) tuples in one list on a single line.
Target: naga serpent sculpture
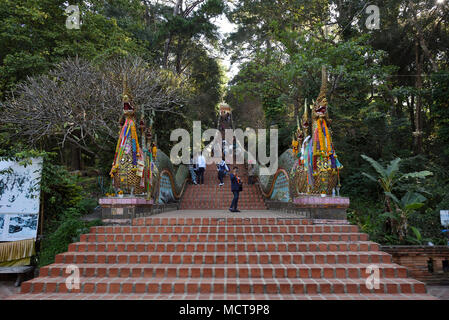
[(317, 168)]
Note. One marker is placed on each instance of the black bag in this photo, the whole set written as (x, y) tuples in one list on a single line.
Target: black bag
[(240, 186)]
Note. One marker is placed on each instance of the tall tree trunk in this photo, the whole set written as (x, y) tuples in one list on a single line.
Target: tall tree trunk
[(418, 113), (411, 112), (176, 11), (75, 157), (178, 58)]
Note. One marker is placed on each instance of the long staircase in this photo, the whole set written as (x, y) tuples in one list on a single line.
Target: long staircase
[(200, 254), (248, 256), (210, 195)]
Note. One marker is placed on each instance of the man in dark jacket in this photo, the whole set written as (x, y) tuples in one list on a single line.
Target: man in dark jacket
[(236, 184)]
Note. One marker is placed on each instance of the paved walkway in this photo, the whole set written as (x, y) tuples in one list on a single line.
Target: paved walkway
[(7, 289), (225, 214), (441, 292)]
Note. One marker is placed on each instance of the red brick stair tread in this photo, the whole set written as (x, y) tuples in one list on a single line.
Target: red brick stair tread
[(87, 296)]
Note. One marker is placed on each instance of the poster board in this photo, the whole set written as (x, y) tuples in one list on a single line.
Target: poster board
[(444, 217), (19, 199)]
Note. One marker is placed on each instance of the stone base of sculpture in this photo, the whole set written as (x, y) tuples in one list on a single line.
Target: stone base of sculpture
[(125, 208), (314, 207)]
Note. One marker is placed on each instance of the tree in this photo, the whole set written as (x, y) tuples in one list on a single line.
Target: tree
[(34, 36), (81, 104)]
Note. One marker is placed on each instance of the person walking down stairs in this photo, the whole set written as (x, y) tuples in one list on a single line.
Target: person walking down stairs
[(222, 170), (201, 161), (192, 170), (236, 187)]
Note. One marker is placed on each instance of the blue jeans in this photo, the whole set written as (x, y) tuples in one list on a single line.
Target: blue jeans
[(201, 175), (221, 175), (192, 174), (235, 200)]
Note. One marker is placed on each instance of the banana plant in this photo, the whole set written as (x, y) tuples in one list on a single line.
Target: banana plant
[(389, 177), (404, 207)]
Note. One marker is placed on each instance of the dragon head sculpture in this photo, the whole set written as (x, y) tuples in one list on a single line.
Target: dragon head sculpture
[(128, 104), (320, 106)]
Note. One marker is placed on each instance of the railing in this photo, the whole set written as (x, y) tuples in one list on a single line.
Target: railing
[(178, 181)]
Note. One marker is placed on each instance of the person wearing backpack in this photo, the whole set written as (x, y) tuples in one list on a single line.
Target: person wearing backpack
[(222, 170), (236, 187)]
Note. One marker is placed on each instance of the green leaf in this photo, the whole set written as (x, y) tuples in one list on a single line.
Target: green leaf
[(376, 165), (413, 206), (412, 200), (416, 233), (369, 176), (418, 175), (390, 215), (393, 167), (392, 196)]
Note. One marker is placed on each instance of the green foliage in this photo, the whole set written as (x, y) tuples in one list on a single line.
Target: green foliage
[(34, 36), (65, 202), (390, 176), (399, 212), (70, 227)]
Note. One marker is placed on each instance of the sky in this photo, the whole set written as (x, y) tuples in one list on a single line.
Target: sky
[(226, 27)]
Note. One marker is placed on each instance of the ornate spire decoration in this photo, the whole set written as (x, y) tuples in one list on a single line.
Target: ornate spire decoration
[(305, 120), (129, 165), (317, 171)]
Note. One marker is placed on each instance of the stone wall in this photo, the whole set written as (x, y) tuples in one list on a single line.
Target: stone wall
[(309, 212), (420, 260), (126, 214)]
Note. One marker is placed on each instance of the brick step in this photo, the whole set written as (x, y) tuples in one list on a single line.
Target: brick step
[(223, 204), (212, 296), (217, 206), (251, 191), (211, 285), (217, 271), (243, 238), (221, 198), (220, 221), (222, 230), (222, 247), (221, 201), (215, 189), (225, 257)]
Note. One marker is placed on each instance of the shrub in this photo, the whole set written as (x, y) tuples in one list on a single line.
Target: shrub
[(69, 230)]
